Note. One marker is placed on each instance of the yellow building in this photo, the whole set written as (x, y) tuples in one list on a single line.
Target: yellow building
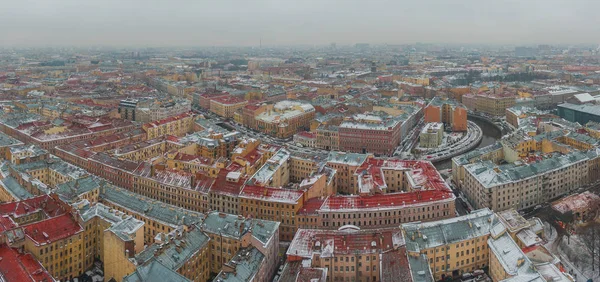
[(226, 106), (229, 233), (184, 252), (57, 243), (283, 119), (176, 125), (110, 236), (593, 128), (301, 168), (358, 257), (273, 204), (171, 187), (275, 172), (494, 105), (451, 256), (157, 217)]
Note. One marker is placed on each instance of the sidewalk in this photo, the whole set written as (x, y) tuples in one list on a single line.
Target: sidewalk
[(582, 274)]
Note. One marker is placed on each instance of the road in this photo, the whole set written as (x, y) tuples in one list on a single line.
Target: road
[(546, 214), (306, 152)]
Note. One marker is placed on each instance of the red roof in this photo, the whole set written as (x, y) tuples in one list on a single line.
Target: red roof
[(203, 182), (167, 120), (253, 156), (228, 100), (341, 242), (107, 160), (529, 249), (271, 194), (395, 266), (424, 170), (6, 223), (223, 186), (382, 201), (213, 94), (80, 152), (252, 107), (311, 206), (172, 138), (187, 158), (46, 203), (307, 134), (53, 229), (21, 267)]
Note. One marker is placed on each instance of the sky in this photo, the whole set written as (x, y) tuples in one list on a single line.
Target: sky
[(289, 22)]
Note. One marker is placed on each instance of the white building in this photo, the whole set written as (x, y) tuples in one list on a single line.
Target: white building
[(431, 135)]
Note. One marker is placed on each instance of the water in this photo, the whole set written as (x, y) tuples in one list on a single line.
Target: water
[(490, 135)]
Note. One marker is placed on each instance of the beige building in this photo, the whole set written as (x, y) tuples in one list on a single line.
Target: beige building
[(488, 185), (176, 125), (431, 135), (348, 254), (110, 236), (494, 105), (449, 256), (328, 137), (226, 106)]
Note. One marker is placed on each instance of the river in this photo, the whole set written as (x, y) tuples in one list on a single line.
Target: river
[(490, 135)]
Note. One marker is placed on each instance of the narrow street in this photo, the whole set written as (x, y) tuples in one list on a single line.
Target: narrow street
[(555, 233)]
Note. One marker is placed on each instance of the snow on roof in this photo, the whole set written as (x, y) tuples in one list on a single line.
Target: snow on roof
[(383, 201), (329, 243), (271, 194), (265, 173), (15, 266), (576, 202), (528, 238), (425, 235), (490, 175), (53, 229), (353, 159), (512, 220), (551, 273), (510, 256), (584, 97)]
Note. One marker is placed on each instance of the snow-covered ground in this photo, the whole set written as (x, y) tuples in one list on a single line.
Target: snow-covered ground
[(576, 258), (449, 138), (466, 142)]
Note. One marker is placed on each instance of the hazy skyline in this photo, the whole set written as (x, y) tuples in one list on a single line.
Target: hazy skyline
[(288, 22)]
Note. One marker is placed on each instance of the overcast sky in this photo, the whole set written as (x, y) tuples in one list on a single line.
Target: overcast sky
[(288, 22)]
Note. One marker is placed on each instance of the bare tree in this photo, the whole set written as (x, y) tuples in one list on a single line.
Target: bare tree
[(591, 239)]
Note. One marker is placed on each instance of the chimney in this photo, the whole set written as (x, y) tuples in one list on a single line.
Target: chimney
[(242, 224), (152, 170)]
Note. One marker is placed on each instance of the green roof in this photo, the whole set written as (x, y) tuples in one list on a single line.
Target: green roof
[(419, 268), (13, 187), (6, 140), (154, 271), (485, 173), (122, 225), (236, 226), (71, 189), (246, 262), (177, 248), (427, 235), (157, 210)]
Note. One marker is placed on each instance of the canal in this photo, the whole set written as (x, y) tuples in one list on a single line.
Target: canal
[(490, 135)]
